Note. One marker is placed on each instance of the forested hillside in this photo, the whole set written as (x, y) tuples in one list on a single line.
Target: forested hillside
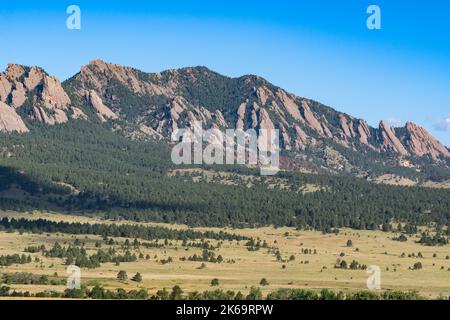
[(79, 167), (150, 107)]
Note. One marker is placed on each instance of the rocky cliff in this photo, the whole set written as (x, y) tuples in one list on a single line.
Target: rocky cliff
[(41, 95), (152, 105)]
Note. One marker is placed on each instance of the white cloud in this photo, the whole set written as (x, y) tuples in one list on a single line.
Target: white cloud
[(443, 124)]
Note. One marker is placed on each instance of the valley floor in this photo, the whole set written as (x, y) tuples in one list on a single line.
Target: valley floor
[(241, 268)]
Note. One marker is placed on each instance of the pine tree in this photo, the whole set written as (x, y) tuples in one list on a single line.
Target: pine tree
[(214, 282), (264, 282), (122, 275), (137, 277)]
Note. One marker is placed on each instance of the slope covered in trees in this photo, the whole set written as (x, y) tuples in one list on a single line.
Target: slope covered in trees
[(80, 167)]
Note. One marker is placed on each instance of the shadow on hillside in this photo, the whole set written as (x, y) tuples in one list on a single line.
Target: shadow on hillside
[(22, 193)]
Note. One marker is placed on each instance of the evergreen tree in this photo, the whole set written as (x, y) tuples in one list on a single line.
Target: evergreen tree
[(214, 282), (137, 277), (264, 282), (122, 275)]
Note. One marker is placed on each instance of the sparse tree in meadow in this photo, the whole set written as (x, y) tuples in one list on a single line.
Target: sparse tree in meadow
[(214, 282), (137, 277), (122, 275), (417, 266), (264, 282)]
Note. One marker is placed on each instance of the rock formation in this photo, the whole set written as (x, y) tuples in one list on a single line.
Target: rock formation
[(154, 105), (10, 121)]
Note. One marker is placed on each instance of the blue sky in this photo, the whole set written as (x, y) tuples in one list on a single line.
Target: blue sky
[(317, 49)]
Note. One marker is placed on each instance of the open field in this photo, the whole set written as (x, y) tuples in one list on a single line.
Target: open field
[(242, 268)]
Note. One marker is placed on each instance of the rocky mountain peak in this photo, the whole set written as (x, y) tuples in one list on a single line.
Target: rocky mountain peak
[(153, 105), (42, 95), (421, 143), (14, 71)]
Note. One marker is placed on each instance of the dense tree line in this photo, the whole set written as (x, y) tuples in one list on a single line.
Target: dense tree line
[(433, 240), (28, 278), (177, 293), (113, 230), (10, 259)]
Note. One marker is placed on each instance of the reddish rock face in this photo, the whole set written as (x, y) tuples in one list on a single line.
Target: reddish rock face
[(298, 120), (364, 132), (389, 140), (289, 105), (346, 127), (10, 121), (50, 102), (421, 143), (103, 112), (252, 103)]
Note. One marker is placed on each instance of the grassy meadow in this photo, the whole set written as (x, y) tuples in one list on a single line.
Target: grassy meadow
[(242, 268)]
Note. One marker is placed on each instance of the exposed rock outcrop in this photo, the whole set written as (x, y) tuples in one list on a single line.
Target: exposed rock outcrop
[(364, 132), (389, 140), (220, 119), (311, 119), (285, 138), (346, 127), (5, 87), (103, 112), (421, 143), (128, 77), (263, 95), (53, 95), (154, 105), (302, 140), (78, 114), (290, 105), (10, 121), (13, 88), (50, 103), (34, 78), (300, 121), (241, 115)]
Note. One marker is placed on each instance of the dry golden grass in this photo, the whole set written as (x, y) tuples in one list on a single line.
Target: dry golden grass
[(375, 248), (395, 180)]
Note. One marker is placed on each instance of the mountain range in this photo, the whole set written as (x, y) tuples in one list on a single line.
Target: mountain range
[(149, 106)]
